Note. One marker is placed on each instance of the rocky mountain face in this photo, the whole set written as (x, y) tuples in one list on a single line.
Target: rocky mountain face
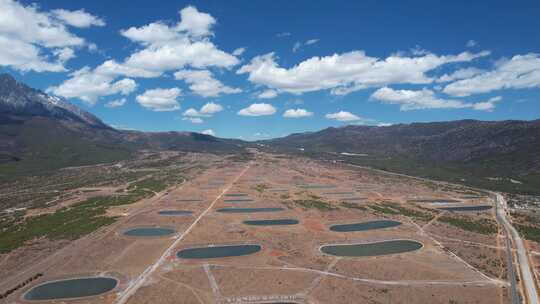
[(20, 100)]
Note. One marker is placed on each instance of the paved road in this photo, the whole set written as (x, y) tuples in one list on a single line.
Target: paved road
[(512, 272), (522, 258)]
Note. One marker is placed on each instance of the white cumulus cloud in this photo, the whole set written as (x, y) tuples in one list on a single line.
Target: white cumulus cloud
[(415, 100), (160, 100), (343, 116), (89, 86), (195, 23), (211, 108), (64, 54), (209, 132), (297, 113), (267, 94), (460, 74), (347, 72), (116, 103), (258, 109), (239, 51), (204, 84), (426, 99), (31, 39), (519, 72), (471, 43), (487, 106), (174, 47), (78, 18), (163, 48), (207, 110), (298, 45), (195, 120)]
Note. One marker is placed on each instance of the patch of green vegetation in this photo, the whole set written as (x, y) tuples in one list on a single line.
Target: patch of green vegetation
[(48, 147), (67, 223), (261, 187), (414, 214), (314, 204), (10, 219), (483, 225), (352, 206), (469, 174), (396, 209), (531, 233), (57, 186), (468, 192), (35, 201), (150, 183), (383, 209), (525, 218)]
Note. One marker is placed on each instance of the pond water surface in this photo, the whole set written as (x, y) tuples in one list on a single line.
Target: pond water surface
[(71, 288), (467, 208), (149, 231), (213, 252), (175, 212), (249, 210), (372, 249), (276, 222), (379, 224)]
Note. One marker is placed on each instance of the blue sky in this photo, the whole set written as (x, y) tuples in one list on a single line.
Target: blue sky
[(254, 69)]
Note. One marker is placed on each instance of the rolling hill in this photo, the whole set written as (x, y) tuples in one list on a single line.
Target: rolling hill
[(493, 154)]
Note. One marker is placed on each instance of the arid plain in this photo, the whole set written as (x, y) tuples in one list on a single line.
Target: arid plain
[(449, 256)]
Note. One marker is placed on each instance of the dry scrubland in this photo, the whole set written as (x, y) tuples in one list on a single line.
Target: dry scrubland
[(462, 259)]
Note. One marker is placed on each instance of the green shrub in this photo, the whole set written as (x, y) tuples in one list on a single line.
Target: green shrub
[(314, 204), (483, 225)]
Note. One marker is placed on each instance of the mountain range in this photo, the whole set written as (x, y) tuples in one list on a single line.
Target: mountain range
[(482, 153), (39, 132)]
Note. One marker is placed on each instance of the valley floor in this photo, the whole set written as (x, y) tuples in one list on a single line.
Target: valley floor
[(462, 257)]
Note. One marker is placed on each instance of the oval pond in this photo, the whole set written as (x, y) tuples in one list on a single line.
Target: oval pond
[(249, 210), (372, 249), (149, 231), (175, 212), (380, 224), (276, 222), (213, 252), (71, 288)]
